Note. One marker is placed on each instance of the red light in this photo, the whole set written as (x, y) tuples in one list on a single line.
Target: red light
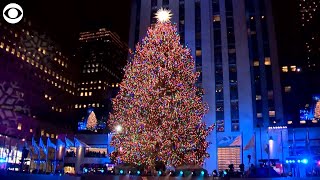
[(318, 163)]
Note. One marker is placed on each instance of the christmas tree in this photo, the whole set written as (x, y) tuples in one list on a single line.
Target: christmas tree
[(157, 113), (317, 110), (92, 121)]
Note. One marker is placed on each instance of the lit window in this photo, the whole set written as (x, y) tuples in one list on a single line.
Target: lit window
[(284, 68), (19, 126), (1, 45), (86, 94), (272, 113), (52, 136), (76, 106), (46, 96), (303, 122), (81, 94), (42, 132), (256, 63), (232, 51), (216, 18), (270, 94), (13, 51), (259, 115), (289, 122), (99, 87), (93, 105), (50, 98), (258, 97), (198, 53), (314, 121), (98, 104), (57, 136), (90, 93), (267, 61), (293, 68), (47, 134), (60, 110), (99, 81), (31, 130), (84, 106), (287, 89)]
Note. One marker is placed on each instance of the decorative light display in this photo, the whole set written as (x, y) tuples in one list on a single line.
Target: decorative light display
[(92, 121), (157, 107), (163, 15)]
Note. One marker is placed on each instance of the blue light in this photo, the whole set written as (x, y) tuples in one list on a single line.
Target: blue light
[(2, 160), (121, 171), (225, 172), (138, 172), (290, 161), (293, 161), (299, 161), (102, 171), (304, 161), (60, 174), (85, 170), (159, 172), (202, 173), (287, 161), (181, 172)]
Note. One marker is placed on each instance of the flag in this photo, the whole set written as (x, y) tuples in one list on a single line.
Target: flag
[(51, 144), (250, 144), (267, 149), (294, 142), (69, 143), (41, 144), (60, 143), (237, 141), (79, 143), (307, 140), (35, 146)]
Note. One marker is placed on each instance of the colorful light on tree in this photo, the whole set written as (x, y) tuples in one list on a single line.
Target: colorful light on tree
[(157, 107), (92, 121)]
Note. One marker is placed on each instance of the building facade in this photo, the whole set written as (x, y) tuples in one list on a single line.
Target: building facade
[(234, 45), (36, 83), (102, 57)]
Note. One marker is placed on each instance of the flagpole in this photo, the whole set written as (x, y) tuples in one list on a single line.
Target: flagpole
[(282, 151), (55, 160), (242, 146)]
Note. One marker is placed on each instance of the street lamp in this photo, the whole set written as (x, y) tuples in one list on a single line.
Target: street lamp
[(118, 128)]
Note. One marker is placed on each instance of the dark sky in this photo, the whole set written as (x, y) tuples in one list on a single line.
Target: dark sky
[(63, 19)]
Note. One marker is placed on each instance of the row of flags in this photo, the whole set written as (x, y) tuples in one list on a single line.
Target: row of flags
[(59, 143), (238, 142)]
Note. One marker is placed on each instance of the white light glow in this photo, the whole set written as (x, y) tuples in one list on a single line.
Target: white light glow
[(118, 128), (163, 15)]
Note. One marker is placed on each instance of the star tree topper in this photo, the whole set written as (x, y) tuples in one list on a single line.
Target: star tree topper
[(163, 15)]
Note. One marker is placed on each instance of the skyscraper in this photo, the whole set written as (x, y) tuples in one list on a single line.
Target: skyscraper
[(233, 43), (102, 57)]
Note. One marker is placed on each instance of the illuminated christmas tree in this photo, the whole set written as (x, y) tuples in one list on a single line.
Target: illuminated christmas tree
[(317, 110), (157, 114), (92, 121)]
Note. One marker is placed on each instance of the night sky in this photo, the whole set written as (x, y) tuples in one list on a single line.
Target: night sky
[(64, 19)]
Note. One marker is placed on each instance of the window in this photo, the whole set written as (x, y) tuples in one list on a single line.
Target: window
[(259, 115), (52, 136), (272, 113), (235, 125), (258, 97), (289, 122), (303, 122), (76, 106), (284, 68), (216, 18), (270, 94), (287, 89), (256, 63), (47, 134), (19, 126), (293, 68), (90, 93), (42, 132), (267, 61), (220, 125), (86, 94), (198, 53)]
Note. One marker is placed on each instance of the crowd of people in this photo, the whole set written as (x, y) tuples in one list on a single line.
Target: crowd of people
[(95, 154)]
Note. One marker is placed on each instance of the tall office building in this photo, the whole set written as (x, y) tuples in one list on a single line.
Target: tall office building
[(102, 58), (36, 83), (309, 16), (234, 45)]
